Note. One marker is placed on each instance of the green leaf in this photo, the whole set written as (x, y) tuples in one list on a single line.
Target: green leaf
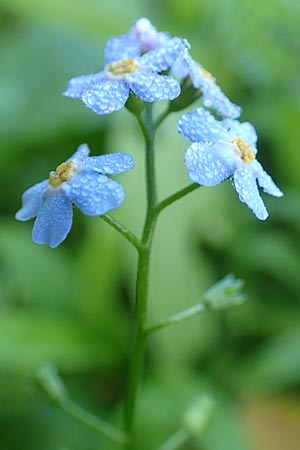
[(274, 366), (27, 339)]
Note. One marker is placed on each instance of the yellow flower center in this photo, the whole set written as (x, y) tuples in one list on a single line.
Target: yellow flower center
[(123, 67), (244, 150), (206, 74), (62, 174)]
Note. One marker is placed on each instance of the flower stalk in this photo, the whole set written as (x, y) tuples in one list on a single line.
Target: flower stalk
[(142, 281), (143, 67)]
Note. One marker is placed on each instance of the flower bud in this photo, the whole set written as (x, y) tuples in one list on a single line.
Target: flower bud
[(225, 293), (198, 414)]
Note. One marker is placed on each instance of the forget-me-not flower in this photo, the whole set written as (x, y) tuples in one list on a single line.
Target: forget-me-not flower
[(81, 181), (126, 71), (213, 97), (221, 149)]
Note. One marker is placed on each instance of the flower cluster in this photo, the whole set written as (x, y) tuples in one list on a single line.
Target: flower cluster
[(154, 67), (134, 62), (128, 70)]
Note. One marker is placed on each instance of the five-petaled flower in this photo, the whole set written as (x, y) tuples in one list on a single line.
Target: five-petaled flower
[(221, 149), (80, 180), (125, 71), (213, 97)]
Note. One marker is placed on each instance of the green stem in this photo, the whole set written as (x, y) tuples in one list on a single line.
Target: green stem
[(122, 230), (149, 130), (162, 117), (139, 333), (177, 318), (91, 421), (174, 197), (175, 441)]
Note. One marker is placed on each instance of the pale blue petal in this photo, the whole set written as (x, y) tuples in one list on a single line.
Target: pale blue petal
[(147, 35), (94, 194), (193, 70), (162, 59), (112, 164), (265, 181), (246, 186), (244, 131), (31, 201), (106, 96), (151, 87), (180, 69), (54, 219), (77, 86), (214, 98), (81, 154), (122, 47), (205, 165), (201, 126)]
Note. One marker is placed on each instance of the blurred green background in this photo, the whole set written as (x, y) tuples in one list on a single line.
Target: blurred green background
[(72, 306)]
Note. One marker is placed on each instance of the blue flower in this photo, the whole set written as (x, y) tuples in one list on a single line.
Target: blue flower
[(213, 97), (126, 71), (147, 35), (144, 36), (184, 65), (80, 180), (222, 149)]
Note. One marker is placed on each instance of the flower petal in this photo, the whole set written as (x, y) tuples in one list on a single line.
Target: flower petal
[(94, 194), (31, 201), (205, 165), (54, 219), (106, 96), (151, 87), (214, 98), (201, 126), (112, 164), (244, 131), (180, 68), (193, 69), (265, 181), (147, 35), (81, 154), (76, 86), (163, 58), (246, 186), (122, 47)]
